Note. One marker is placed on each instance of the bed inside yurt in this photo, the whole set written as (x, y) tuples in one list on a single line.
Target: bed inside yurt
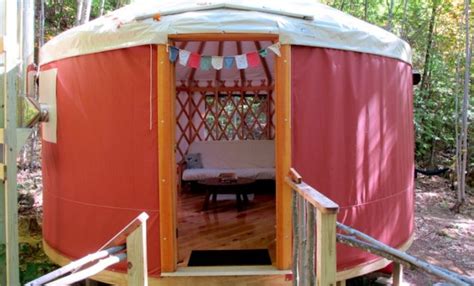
[(194, 112)]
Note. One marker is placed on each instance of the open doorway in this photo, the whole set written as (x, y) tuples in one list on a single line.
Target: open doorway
[(225, 149), (167, 146)]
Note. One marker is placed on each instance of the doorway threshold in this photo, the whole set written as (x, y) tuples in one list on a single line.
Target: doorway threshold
[(258, 270)]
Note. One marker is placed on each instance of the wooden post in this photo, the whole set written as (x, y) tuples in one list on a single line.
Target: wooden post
[(296, 239), (326, 248), (137, 255), (11, 194), (311, 234), (303, 255), (166, 161), (283, 156), (397, 274)]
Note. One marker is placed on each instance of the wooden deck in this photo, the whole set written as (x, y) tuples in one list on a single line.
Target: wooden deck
[(222, 226)]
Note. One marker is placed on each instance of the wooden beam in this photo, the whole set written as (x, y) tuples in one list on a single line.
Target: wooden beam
[(397, 274), (268, 73), (224, 37), (295, 176), (283, 157), (166, 159), (224, 89), (3, 172), (2, 45), (326, 249), (320, 201), (10, 186), (137, 256)]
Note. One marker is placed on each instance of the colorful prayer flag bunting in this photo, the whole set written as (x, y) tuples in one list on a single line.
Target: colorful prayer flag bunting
[(194, 60), (184, 57), (253, 59), (173, 54), (228, 62), (241, 62), (217, 62), (244, 61), (275, 48)]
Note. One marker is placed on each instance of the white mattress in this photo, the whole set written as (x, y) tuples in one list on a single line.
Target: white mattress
[(205, 173)]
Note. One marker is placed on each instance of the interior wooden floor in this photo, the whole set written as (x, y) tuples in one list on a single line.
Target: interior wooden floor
[(222, 226)]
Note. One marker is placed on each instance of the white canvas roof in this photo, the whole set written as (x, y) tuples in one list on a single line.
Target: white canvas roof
[(301, 22)]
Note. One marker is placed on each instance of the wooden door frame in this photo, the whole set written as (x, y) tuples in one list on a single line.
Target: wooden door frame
[(167, 181)]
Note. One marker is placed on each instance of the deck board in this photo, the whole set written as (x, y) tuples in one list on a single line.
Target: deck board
[(222, 226)]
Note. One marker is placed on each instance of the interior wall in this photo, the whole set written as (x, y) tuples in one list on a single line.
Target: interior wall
[(231, 115)]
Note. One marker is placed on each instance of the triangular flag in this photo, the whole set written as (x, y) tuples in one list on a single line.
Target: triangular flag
[(217, 62), (275, 48), (228, 62), (173, 54), (183, 57), (194, 60), (253, 59), (241, 62), (205, 63), (263, 52)]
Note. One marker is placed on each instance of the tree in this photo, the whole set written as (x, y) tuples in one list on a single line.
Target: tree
[(465, 106)]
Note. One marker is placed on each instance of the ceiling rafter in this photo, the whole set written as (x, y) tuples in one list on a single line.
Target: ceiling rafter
[(265, 64)]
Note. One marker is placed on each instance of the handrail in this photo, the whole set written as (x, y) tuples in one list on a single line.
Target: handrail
[(311, 208), (131, 239), (305, 200), (318, 200)]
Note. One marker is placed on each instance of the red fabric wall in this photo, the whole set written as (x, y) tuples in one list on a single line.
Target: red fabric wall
[(352, 120), (103, 170)]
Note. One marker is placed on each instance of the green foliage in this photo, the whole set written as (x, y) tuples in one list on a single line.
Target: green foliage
[(33, 262), (434, 103)]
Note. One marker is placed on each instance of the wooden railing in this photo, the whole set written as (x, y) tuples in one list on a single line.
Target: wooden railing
[(127, 245), (308, 204), (311, 208)]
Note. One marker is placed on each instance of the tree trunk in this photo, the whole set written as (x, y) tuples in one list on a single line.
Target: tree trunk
[(343, 2), (102, 6), (366, 7), (429, 44), (390, 15), (41, 25), (80, 5), (465, 108), (86, 11), (404, 20)]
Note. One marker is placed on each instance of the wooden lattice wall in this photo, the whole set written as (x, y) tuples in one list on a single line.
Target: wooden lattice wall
[(225, 112)]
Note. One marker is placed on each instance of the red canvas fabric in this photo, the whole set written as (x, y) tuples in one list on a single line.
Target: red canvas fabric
[(103, 170), (352, 139)]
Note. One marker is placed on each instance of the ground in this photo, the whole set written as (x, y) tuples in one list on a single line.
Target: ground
[(442, 237)]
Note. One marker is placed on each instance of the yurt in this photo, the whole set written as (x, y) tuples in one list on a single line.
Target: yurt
[(152, 103)]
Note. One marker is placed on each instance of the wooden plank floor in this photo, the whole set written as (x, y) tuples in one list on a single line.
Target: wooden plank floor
[(222, 226)]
